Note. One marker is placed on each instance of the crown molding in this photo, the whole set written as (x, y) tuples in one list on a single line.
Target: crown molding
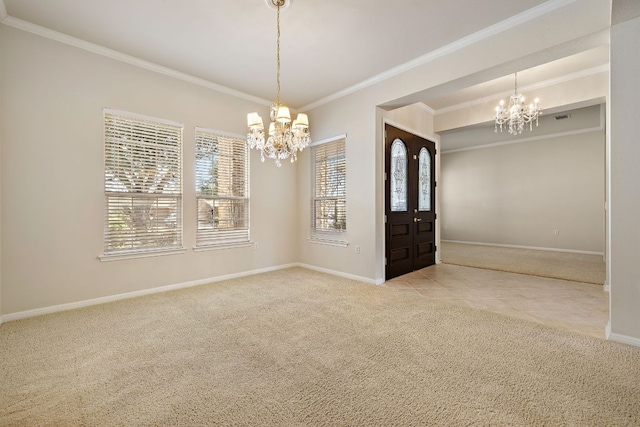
[(3, 11), (426, 108), (540, 85), (500, 27), (122, 57), (474, 38)]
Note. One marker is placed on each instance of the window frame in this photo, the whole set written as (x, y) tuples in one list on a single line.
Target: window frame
[(144, 123), (231, 240), (336, 237)]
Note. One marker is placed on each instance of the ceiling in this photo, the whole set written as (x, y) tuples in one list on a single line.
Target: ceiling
[(530, 79), (327, 46)]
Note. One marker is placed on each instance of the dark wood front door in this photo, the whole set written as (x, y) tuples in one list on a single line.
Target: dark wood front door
[(409, 202)]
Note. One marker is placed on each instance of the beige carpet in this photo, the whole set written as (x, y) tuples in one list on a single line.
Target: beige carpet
[(558, 265), (300, 348)]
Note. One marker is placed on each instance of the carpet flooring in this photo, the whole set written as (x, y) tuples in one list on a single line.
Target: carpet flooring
[(300, 348), (576, 267)]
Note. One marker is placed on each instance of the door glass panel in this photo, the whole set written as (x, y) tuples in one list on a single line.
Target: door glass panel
[(398, 176), (424, 177)]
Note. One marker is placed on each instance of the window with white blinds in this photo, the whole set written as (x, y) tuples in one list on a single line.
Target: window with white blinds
[(329, 204), (222, 188), (143, 183)]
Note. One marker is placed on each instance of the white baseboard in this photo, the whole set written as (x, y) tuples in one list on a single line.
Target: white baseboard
[(572, 251), (95, 301), (341, 274), (624, 339)]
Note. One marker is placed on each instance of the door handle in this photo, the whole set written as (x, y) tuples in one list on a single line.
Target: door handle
[(417, 219)]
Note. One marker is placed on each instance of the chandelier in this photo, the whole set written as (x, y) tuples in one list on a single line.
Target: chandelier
[(518, 114), (285, 137)]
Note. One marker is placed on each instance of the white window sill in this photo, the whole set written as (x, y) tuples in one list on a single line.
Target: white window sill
[(146, 254), (220, 247), (329, 242)]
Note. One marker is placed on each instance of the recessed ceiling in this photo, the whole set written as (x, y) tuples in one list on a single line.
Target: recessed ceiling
[(540, 76)]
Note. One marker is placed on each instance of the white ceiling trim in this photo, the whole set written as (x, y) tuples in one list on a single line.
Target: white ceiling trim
[(562, 79), (471, 39), (119, 56), (3, 11), (426, 108)]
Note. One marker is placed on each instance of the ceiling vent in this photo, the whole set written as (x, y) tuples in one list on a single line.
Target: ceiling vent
[(563, 116)]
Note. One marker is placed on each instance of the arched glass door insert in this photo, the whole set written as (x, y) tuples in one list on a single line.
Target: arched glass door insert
[(410, 204), (424, 181), (398, 176)]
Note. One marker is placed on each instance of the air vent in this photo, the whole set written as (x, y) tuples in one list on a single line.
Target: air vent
[(563, 116)]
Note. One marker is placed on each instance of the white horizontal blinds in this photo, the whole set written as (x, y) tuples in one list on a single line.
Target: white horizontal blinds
[(143, 188), (329, 210), (222, 188)]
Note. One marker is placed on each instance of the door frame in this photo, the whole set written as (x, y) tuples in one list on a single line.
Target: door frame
[(382, 193)]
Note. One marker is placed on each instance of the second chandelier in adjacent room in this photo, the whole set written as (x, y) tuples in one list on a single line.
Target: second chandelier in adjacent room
[(517, 115)]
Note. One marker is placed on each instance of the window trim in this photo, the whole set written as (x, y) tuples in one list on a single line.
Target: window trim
[(324, 237), (142, 252), (137, 254), (222, 245)]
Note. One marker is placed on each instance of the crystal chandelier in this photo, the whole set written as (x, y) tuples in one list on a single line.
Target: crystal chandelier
[(285, 137), (518, 114)]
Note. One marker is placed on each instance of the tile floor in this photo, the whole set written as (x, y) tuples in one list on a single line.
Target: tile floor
[(579, 307)]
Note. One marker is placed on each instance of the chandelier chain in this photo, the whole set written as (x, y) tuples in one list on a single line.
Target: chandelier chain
[(278, 53), (283, 138)]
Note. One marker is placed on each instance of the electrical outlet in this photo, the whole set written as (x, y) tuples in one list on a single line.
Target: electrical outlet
[(357, 249), (556, 232), (255, 246)]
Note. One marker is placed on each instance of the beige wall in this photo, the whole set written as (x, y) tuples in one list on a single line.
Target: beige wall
[(53, 134), (592, 88), (356, 115), (52, 172), (625, 173), (518, 194)]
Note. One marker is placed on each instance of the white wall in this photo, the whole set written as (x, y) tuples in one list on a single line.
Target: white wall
[(625, 173), (52, 176), (518, 194)]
